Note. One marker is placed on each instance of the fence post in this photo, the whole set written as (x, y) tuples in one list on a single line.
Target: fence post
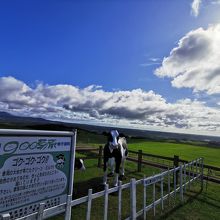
[(89, 204), (176, 164), (202, 170), (139, 160), (133, 199), (106, 202), (40, 211), (68, 208), (168, 184), (181, 183), (119, 199), (161, 191), (184, 177), (6, 216), (154, 197), (144, 198), (100, 157)]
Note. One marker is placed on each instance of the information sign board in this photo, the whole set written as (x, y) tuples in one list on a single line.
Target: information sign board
[(35, 167)]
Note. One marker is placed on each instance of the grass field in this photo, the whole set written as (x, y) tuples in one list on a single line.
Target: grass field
[(197, 205), (184, 151), (164, 148)]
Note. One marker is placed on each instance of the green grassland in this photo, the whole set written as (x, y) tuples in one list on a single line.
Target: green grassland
[(197, 205), (186, 151)]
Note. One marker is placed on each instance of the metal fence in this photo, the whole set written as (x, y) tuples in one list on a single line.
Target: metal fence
[(188, 173)]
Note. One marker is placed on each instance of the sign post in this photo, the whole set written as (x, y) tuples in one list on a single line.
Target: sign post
[(35, 167)]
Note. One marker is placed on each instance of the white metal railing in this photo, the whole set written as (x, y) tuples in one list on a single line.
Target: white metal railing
[(187, 174)]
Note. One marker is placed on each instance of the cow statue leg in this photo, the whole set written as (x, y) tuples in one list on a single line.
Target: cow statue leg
[(111, 162), (122, 173), (123, 167), (105, 178), (117, 166), (105, 171), (116, 179)]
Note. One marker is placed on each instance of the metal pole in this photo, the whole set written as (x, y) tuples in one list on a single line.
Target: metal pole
[(176, 164), (106, 203), (119, 199), (6, 216), (184, 180), (168, 184), (89, 204), (189, 175), (202, 171), (40, 213), (154, 192), (181, 183), (174, 181), (144, 199), (133, 198), (196, 168), (161, 187), (192, 166), (70, 192)]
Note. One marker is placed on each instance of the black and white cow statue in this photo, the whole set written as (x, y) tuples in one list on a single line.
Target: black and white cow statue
[(115, 153), (79, 164)]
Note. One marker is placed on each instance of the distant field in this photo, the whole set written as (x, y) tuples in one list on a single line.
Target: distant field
[(187, 151), (184, 151)]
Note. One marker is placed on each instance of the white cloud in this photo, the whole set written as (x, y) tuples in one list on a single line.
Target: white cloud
[(149, 64), (135, 107), (194, 63), (152, 61), (195, 7), (216, 2)]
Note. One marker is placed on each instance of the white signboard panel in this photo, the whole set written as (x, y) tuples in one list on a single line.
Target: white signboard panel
[(153, 180), (34, 169)]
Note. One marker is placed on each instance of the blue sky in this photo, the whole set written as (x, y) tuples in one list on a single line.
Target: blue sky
[(125, 63)]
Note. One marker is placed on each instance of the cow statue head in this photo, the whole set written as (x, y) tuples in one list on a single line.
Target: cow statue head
[(113, 139)]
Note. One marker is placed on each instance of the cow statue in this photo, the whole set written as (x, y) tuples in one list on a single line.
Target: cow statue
[(115, 152), (79, 164)]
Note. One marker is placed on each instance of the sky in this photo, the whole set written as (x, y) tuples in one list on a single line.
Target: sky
[(147, 64)]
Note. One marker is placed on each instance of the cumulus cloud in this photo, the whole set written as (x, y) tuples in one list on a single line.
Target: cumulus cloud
[(194, 63), (195, 6), (135, 107)]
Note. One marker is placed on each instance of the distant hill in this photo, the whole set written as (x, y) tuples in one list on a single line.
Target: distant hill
[(10, 121), (7, 117)]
